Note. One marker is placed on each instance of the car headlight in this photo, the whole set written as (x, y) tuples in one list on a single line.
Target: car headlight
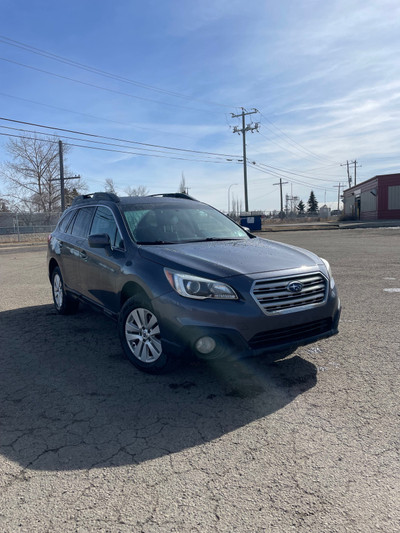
[(199, 288), (328, 268), (327, 265)]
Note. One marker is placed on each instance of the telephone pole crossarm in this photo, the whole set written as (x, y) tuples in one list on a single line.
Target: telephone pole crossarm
[(349, 178)]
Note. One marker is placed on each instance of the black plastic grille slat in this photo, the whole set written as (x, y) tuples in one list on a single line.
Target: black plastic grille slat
[(290, 334), (273, 296)]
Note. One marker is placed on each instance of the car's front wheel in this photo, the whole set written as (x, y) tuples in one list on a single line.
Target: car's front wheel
[(63, 302), (140, 336)]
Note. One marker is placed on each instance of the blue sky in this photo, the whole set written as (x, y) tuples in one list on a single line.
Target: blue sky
[(325, 77)]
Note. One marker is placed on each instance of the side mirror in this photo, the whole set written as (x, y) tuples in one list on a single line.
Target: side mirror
[(102, 240)]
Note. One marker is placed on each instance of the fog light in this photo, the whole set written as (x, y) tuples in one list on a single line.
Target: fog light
[(205, 345)]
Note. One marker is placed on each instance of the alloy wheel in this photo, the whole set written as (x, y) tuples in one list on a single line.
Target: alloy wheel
[(58, 291), (142, 334)]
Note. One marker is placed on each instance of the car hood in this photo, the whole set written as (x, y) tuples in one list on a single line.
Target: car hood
[(229, 258)]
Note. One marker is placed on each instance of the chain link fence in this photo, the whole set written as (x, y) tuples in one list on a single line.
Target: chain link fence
[(25, 227)]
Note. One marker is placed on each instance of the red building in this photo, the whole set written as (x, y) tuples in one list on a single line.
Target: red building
[(375, 199)]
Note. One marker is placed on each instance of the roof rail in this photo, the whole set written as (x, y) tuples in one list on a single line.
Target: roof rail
[(108, 196), (174, 195)]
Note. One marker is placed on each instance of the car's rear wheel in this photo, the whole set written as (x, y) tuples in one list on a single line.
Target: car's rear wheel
[(140, 336), (63, 302)]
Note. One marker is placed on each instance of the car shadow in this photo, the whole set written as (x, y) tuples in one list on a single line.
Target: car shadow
[(70, 400)]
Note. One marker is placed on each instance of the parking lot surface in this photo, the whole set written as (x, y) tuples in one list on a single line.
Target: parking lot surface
[(309, 443)]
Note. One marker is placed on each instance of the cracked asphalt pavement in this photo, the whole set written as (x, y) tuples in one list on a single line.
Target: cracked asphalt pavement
[(309, 443)]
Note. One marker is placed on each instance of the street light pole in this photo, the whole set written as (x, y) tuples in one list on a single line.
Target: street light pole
[(229, 196)]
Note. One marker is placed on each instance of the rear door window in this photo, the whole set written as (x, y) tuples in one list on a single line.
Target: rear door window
[(82, 222), (63, 224)]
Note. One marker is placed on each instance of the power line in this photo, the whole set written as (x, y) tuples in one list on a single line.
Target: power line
[(296, 181), (93, 85), (55, 57), (148, 155), (290, 179), (135, 126), (123, 151), (286, 149), (277, 172), (303, 148), (325, 166), (54, 128), (49, 55), (301, 175), (63, 109), (91, 141)]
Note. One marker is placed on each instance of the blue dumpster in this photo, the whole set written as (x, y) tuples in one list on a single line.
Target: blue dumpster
[(253, 222)]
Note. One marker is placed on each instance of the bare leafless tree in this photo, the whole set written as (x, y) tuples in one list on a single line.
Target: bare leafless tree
[(140, 190), (182, 186), (109, 185), (32, 175), (237, 207)]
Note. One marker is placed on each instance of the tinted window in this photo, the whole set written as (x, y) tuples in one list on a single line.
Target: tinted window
[(66, 219), (82, 222), (104, 222)]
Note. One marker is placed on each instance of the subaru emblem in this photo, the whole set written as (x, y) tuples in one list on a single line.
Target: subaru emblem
[(295, 287)]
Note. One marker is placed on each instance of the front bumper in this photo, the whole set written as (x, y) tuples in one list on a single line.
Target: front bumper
[(230, 344), (240, 329)]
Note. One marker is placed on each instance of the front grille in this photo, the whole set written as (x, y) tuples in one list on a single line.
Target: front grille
[(291, 334), (273, 296)]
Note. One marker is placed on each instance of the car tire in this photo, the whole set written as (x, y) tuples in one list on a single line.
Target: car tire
[(63, 302), (140, 336)]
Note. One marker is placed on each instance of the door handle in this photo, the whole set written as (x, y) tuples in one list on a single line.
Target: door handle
[(83, 255)]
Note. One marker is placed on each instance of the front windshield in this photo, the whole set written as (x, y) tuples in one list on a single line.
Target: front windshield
[(162, 224)]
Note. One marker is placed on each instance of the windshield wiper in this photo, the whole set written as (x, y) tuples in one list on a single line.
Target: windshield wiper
[(214, 239), (155, 242)]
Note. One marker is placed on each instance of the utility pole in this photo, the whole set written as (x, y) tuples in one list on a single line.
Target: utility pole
[(338, 197), (62, 178), (347, 164), (280, 184), (60, 154), (242, 130), (355, 171), (348, 173)]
